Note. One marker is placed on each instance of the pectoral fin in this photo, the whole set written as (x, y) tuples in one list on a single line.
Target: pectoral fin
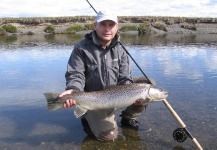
[(144, 102), (79, 111), (110, 112)]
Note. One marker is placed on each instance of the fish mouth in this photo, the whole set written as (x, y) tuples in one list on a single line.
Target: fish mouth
[(157, 94), (165, 94)]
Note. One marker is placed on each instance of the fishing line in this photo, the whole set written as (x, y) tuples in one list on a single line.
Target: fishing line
[(92, 6), (180, 134)]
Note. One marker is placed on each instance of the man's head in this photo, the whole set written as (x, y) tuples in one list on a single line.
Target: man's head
[(106, 26)]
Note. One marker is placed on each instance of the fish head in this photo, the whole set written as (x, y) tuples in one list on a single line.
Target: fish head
[(156, 93)]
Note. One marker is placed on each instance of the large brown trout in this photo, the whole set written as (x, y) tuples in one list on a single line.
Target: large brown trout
[(115, 97)]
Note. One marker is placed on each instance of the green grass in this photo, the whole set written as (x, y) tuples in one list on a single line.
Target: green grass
[(160, 26), (10, 28), (89, 26), (49, 29), (128, 28), (144, 28), (74, 28), (2, 31)]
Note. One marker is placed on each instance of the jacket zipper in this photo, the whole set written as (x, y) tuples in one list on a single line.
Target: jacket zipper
[(106, 71)]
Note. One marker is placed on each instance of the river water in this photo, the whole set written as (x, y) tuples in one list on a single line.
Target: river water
[(185, 65)]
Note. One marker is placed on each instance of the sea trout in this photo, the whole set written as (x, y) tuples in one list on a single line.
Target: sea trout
[(118, 96)]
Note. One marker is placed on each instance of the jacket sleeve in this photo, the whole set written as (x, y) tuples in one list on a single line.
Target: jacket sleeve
[(75, 78), (125, 73)]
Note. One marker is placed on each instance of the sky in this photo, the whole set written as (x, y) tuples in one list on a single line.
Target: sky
[(62, 8)]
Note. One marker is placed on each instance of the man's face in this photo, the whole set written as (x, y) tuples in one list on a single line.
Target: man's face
[(106, 30)]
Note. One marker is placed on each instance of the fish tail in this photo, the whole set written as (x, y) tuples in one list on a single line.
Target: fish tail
[(52, 101)]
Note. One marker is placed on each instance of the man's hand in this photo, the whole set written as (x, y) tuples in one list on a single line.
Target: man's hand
[(137, 103), (70, 102)]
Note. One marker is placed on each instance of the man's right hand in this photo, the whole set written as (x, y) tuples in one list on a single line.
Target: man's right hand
[(70, 102)]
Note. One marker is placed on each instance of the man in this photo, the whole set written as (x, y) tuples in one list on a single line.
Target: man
[(96, 62)]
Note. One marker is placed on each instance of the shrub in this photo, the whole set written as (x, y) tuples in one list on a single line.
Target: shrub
[(30, 33), (160, 26), (144, 28), (128, 28), (10, 28), (188, 26), (89, 26), (74, 28), (49, 29), (2, 31), (144, 25)]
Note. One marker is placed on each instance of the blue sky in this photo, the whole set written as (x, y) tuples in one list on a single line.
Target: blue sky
[(55, 8)]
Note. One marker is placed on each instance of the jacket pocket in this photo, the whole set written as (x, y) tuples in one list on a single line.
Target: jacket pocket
[(90, 69)]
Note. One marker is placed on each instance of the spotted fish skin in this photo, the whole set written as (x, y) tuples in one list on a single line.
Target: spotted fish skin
[(118, 96)]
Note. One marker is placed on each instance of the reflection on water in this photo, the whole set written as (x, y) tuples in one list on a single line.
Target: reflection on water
[(8, 39), (33, 65), (132, 39)]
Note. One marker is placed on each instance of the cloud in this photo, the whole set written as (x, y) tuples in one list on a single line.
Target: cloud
[(50, 8)]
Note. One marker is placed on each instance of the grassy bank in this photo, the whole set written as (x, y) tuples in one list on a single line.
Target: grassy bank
[(138, 24)]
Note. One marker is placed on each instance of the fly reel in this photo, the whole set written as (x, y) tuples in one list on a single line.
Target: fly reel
[(180, 135)]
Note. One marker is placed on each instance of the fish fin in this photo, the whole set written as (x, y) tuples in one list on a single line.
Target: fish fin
[(52, 101), (144, 102), (110, 112), (79, 111)]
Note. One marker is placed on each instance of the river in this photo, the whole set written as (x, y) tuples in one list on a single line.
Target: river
[(185, 65)]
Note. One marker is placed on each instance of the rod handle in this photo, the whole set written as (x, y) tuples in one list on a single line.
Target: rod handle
[(197, 144), (181, 123)]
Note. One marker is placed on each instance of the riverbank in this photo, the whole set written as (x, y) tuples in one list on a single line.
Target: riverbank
[(177, 25)]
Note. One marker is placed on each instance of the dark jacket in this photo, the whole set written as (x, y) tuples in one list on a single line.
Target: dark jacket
[(92, 68)]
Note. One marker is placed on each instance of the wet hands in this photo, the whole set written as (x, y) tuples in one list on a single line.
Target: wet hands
[(70, 102)]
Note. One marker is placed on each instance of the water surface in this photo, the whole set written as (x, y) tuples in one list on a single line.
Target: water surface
[(33, 65)]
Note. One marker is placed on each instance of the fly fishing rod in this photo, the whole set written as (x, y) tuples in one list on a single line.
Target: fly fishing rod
[(180, 134)]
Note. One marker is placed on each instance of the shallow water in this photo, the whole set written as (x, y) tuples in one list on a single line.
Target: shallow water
[(33, 65)]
